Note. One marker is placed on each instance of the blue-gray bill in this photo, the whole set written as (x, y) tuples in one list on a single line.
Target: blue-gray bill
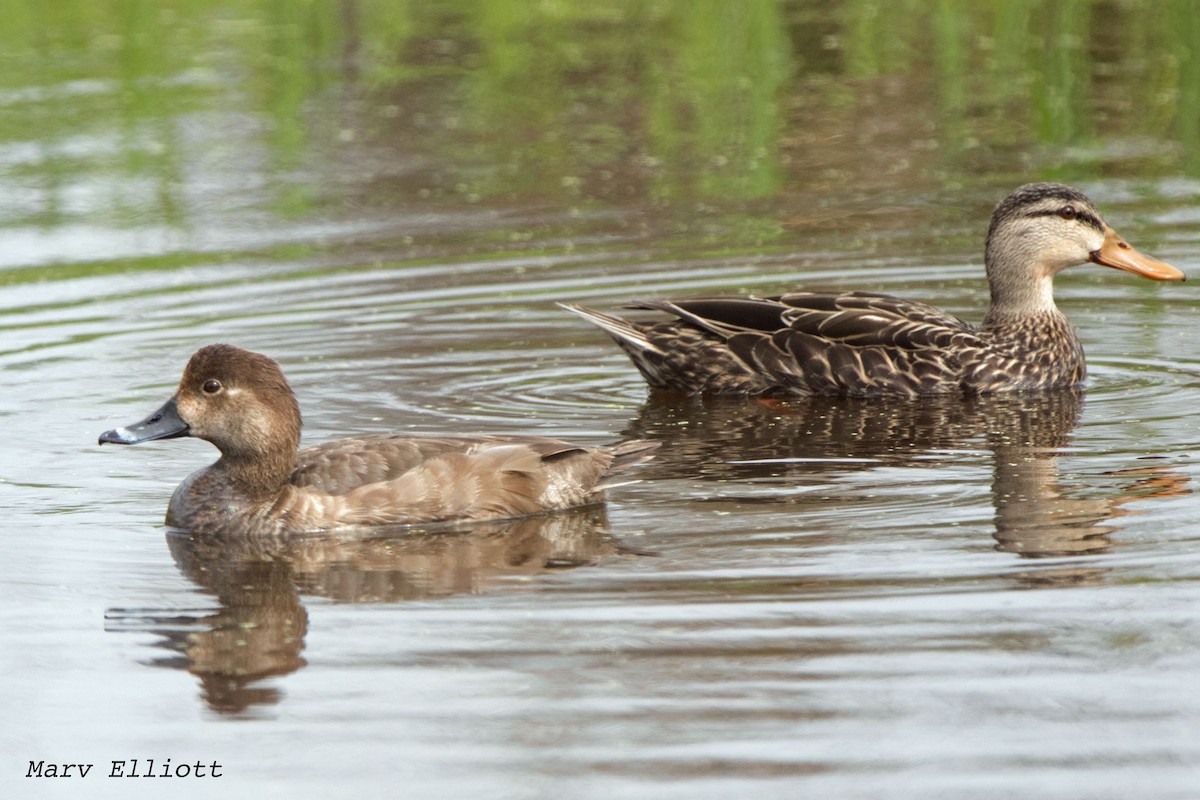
[(162, 424)]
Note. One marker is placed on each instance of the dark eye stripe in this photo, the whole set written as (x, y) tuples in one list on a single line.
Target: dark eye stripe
[(1091, 220)]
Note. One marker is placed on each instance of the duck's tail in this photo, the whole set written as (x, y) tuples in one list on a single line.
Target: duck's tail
[(628, 334), (625, 455)]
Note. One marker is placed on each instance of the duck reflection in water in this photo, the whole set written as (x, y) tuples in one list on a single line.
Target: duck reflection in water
[(248, 524), (1036, 514), (259, 629)]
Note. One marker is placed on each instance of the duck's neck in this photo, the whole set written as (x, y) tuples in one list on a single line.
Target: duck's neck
[(260, 477), (1016, 300)]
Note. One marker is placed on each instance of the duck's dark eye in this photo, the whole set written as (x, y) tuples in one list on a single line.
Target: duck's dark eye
[(211, 387), (1067, 212)]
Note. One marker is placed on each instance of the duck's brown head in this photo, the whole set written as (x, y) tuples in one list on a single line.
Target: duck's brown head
[(236, 399)]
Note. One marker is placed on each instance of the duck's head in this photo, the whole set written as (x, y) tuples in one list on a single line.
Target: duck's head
[(231, 397), (1043, 228)]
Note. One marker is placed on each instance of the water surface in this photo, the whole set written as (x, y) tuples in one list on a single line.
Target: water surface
[(986, 598)]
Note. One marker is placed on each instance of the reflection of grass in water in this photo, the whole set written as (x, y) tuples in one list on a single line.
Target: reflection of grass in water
[(20, 275), (699, 108), (88, 269)]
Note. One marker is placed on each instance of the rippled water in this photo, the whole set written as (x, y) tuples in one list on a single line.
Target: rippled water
[(849, 593), (859, 599)]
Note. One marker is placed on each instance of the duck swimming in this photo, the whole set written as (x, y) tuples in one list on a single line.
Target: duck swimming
[(263, 483), (860, 343)]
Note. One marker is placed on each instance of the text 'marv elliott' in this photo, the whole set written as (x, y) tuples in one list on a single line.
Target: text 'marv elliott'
[(131, 768)]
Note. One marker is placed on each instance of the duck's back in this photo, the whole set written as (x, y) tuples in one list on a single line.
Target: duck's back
[(856, 343), (341, 465), (860, 343), (396, 479)]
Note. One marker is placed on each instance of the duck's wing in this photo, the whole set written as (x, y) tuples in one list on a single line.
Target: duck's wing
[(424, 479), (342, 465), (868, 319), (860, 343), (824, 343), (862, 319)]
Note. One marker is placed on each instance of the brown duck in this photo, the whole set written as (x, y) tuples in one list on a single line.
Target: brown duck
[(262, 483), (859, 343)]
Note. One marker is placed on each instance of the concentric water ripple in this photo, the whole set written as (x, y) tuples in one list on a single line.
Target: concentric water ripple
[(812, 543)]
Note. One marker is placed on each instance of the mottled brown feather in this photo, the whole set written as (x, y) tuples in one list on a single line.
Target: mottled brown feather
[(863, 343)]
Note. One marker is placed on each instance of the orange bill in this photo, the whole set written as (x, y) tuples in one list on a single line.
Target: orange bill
[(1116, 252)]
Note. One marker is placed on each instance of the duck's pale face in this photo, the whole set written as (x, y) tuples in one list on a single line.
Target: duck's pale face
[(1060, 236), (1048, 243)]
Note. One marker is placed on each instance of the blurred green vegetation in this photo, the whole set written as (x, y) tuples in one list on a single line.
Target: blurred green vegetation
[(680, 104)]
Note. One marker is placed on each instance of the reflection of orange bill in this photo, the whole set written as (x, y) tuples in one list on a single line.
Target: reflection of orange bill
[(1156, 481)]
